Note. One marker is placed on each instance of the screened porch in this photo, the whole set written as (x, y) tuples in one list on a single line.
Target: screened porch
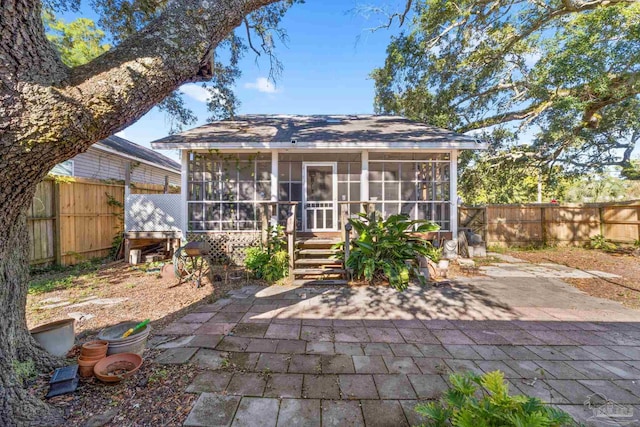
[(240, 192)]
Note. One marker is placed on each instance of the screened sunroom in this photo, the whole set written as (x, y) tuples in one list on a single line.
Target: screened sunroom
[(240, 176)]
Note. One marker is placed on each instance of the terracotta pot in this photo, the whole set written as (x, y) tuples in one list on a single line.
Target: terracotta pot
[(94, 348), (117, 367), (86, 367), (91, 358)]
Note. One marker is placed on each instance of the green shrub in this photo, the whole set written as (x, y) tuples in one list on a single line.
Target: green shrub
[(460, 406), (270, 263), (602, 243), (383, 246)]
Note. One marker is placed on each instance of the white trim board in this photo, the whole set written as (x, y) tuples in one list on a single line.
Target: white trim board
[(320, 145)]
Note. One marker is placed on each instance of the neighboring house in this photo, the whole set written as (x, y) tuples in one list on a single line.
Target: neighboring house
[(107, 159), (326, 165)]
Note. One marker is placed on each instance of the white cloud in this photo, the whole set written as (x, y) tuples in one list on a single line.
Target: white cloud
[(196, 92), (262, 84), (121, 134)]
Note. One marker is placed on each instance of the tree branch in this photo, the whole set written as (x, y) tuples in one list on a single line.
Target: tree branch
[(97, 99)]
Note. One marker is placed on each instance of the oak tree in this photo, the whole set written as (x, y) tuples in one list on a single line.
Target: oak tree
[(51, 110), (564, 75)]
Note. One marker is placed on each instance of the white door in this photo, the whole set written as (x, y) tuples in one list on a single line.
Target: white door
[(319, 201)]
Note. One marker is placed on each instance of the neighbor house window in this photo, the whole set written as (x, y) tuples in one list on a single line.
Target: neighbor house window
[(223, 190), (414, 184)]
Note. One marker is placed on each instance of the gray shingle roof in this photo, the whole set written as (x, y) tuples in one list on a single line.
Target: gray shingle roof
[(127, 147), (317, 128)]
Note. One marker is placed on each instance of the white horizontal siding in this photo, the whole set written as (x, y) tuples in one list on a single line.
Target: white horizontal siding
[(99, 165)]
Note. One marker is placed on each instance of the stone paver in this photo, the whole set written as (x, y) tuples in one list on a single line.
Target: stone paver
[(273, 362), (428, 386), (370, 365), (210, 382), (321, 387), (341, 413), (337, 364), (394, 386), (284, 385), (383, 413), (213, 410), (256, 412), (247, 384), (176, 355), (299, 412), (338, 356), (357, 387)]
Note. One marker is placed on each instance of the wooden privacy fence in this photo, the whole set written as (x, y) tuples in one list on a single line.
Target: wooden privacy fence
[(551, 224), (76, 219)]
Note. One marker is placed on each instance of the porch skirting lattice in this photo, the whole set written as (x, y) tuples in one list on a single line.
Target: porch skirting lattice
[(223, 246)]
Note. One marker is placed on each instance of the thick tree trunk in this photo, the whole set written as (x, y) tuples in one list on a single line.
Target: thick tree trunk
[(17, 407), (49, 113)]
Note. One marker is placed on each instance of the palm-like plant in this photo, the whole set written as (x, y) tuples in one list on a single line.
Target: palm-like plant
[(384, 245)]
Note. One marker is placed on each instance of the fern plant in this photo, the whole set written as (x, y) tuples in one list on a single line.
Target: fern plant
[(270, 262), (460, 406), (384, 246)]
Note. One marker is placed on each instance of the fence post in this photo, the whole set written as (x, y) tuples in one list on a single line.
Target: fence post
[(57, 241), (602, 223), (485, 224), (543, 225)]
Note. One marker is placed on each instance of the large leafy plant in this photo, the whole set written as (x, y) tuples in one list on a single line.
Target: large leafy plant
[(383, 247), (271, 261), (484, 401)]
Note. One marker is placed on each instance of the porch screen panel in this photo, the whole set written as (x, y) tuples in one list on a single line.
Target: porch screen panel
[(415, 184), (224, 190)]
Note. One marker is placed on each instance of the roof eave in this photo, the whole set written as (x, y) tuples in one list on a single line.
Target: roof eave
[(110, 150), (317, 145)]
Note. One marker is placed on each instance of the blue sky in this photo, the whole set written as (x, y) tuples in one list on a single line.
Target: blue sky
[(327, 60)]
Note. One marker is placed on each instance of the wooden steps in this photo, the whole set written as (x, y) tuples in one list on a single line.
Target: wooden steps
[(321, 282), (318, 251), (317, 263), (318, 271)]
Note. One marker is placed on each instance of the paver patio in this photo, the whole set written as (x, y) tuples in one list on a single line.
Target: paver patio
[(283, 356)]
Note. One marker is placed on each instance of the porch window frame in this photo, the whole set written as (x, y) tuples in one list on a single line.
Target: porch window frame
[(448, 225), (233, 224)]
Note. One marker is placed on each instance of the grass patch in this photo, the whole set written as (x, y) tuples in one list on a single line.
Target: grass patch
[(57, 277), (25, 371), (499, 249), (43, 286), (488, 260)]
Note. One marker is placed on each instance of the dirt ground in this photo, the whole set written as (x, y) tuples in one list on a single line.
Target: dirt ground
[(103, 295), (625, 290)]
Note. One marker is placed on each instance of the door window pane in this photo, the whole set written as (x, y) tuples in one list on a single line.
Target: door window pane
[(319, 185)]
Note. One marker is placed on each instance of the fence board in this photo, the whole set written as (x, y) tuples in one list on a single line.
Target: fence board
[(534, 224), (86, 222)]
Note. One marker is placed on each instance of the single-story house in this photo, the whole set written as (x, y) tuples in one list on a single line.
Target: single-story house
[(108, 159), (324, 165)]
